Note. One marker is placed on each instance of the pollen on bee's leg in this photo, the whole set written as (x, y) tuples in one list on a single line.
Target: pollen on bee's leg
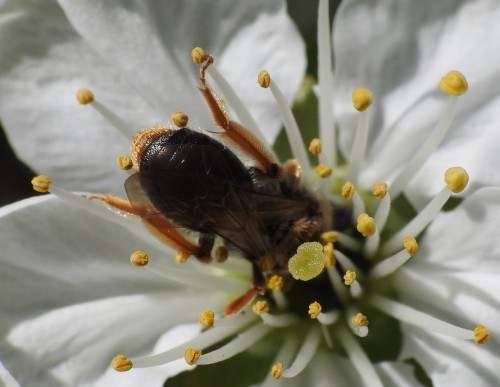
[(391, 264), (41, 183), (121, 363), (456, 180)]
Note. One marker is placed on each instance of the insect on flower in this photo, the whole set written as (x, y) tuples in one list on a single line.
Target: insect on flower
[(188, 179)]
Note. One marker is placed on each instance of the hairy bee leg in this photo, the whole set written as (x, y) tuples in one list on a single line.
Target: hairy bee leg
[(233, 131), (161, 227), (258, 288)]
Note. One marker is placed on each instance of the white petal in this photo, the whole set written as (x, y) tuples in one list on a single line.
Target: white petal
[(6, 378), (400, 51)]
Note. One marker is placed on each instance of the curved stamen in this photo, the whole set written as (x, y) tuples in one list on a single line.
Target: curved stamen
[(305, 354)]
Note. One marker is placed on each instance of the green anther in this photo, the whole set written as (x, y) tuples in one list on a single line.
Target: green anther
[(309, 261)]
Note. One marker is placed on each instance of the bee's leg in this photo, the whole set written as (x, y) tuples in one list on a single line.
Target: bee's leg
[(233, 131), (258, 288), (163, 229)]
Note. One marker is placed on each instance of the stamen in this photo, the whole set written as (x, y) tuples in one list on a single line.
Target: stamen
[(315, 146), (379, 190), (454, 83), (264, 79), (481, 334), (139, 258), (275, 282), (237, 345), (361, 99), (358, 324), (198, 55), (260, 307), (420, 319), (350, 280), (360, 320), (393, 263), (348, 190), (291, 128), (41, 183), (383, 208), (221, 254), (309, 261), (456, 179), (125, 162), (84, 96), (179, 119), (349, 193), (325, 83), (207, 319), (424, 150), (323, 171), (305, 354), (366, 225), (347, 263), (420, 222), (338, 284), (359, 359), (330, 236), (349, 242), (192, 355), (279, 320), (330, 256), (328, 318), (284, 356), (277, 370), (121, 363), (314, 309)]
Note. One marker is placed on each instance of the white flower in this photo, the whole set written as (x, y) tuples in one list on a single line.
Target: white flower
[(80, 301)]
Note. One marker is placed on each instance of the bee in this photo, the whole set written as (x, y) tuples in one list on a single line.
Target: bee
[(187, 179)]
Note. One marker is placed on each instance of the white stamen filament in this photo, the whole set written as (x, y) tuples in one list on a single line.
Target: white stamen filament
[(355, 289), (338, 284), (284, 356), (359, 359), (420, 319), (358, 206), (299, 151), (279, 320), (236, 346), (328, 318), (371, 244), (325, 83), (382, 212), (390, 264), (120, 125), (419, 223), (347, 263), (358, 149), (426, 149), (349, 242), (305, 354)]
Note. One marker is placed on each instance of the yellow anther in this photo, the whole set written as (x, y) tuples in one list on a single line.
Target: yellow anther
[(361, 99), (41, 183), (199, 55), (366, 225), (124, 162), (180, 119), (314, 309), (207, 318), (309, 261), (360, 320), (139, 258), (349, 277), (221, 253), (379, 190), (456, 179), (264, 79), (329, 236), (181, 257), (481, 334), (454, 83), (275, 282), (323, 171), (121, 363), (277, 370), (330, 256), (315, 146), (411, 246), (348, 190), (84, 96), (260, 307), (191, 355)]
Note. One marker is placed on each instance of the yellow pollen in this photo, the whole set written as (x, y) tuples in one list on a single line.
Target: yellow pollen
[(84, 96), (323, 171), (349, 277), (207, 318), (454, 83), (275, 282), (315, 146), (348, 190), (330, 256), (361, 99), (277, 370), (366, 225), (260, 307), (481, 334), (411, 246), (264, 79), (314, 309), (121, 363), (360, 320), (221, 254), (181, 257), (179, 119), (139, 258), (379, 190), (191, 355), (41, 183), (456, 179), (124, 162), (329, 236), (309, 261), (199, 55)]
